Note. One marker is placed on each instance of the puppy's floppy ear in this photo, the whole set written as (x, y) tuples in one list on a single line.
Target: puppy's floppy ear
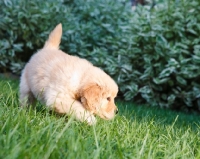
[(91, 96)]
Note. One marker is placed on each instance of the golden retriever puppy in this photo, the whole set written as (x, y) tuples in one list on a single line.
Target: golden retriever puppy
[(67, 84)]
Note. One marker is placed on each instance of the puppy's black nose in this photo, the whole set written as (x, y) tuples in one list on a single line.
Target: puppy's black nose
[(116, 111)]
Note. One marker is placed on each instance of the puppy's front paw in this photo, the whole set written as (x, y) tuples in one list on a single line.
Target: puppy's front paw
[(91, 120), (85, 116)]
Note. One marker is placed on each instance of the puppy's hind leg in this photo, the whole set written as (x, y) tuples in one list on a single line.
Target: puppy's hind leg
[(26, 96)]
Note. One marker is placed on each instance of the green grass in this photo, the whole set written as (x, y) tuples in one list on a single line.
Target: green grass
[(137, 132)]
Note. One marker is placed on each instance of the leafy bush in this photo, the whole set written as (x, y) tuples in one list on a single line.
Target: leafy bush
[(88, 26), (24, 26), (165, 56), (153, 55)]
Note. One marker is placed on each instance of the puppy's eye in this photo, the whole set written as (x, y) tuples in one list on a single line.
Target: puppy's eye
[(109, 99)]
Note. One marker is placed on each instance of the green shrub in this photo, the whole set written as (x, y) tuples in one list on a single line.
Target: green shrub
[(24, 26), (99, 32), (153, 55), (165, 56)]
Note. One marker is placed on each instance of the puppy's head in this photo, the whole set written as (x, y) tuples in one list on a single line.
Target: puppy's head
[(100, 100)]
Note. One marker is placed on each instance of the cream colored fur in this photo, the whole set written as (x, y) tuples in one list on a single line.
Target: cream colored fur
[(67, 84)]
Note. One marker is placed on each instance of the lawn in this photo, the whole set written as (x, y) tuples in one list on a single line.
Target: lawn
[(136, 132)]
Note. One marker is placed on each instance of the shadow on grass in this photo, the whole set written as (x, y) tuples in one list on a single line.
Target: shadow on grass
[(161, 116)]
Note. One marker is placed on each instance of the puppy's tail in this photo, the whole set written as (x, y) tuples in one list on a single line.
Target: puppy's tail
[(54, 37)]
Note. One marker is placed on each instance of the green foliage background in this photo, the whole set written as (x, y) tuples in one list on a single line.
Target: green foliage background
[(154, 55)]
